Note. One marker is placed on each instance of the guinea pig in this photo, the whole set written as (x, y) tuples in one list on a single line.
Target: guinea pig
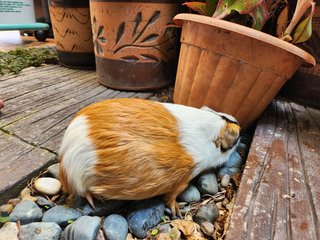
[(133, 149)]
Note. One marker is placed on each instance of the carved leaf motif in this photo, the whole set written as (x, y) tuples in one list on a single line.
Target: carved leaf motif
[(154, 17), (137, 21), (120, 32), (150, 38)]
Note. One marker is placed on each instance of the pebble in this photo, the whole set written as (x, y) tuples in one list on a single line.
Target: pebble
[(14, 201), (9, 231), (206, 213), (30, 198), (6, 209), (103, 208), (61, 215), (43, 202), (207, 228), (40, 231), (207, 183), (225, 180), (230, 171), (234, 161), (115, 227), (24, 193), (26, 211), (85, 227), (143, 215), (190, 194), (47, 185), (53, 170), (242, 147)]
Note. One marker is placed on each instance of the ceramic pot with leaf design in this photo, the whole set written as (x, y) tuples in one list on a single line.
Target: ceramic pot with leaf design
[(72, 33), (134, 48)]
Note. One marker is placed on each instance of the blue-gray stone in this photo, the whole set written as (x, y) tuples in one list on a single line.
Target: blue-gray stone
[(226, 170), (103, 208), (40, 231), (207, 183), (61, 215), (84, 228), (115, 227), (206, 213), (53, 171), (190, 194), (26, 212), (143, 215), (234, 161), (43, 202)]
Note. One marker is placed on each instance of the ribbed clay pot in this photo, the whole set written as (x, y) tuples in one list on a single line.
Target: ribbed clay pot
[(72, 33), (133, 48), (231, 68)]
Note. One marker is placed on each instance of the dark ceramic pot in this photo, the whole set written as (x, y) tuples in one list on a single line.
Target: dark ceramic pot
[(133, 47), (72, 33)]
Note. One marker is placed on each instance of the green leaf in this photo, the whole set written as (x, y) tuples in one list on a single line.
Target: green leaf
[(154, 232), (199, 7), (211, 6), (304, 29), (70, 221), (260, 16), (4, 219), (225, 7)]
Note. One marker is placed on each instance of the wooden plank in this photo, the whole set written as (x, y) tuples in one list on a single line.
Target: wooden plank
[(278, 197), (19, 162), (33, 102)]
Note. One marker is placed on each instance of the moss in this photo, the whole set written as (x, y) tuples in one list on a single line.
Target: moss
[(16, 60)]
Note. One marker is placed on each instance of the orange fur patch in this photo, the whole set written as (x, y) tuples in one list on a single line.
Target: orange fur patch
[(137, 144)]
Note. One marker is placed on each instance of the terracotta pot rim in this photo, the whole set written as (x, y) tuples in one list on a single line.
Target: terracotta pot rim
[(183, 17)]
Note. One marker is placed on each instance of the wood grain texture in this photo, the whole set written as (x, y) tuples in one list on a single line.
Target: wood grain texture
[(39, 103), (279, 194)]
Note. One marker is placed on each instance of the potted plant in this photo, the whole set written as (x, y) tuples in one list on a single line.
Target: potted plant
[(72, 33), (133, 48), (233, 68)]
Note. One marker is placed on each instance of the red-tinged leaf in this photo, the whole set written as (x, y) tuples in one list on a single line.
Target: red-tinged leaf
[(260, 16), (225, 7), (211, 6), (199, 7), (304, 29)]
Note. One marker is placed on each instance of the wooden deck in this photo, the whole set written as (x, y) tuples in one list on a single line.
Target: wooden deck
[(279, 194), (39, 102)]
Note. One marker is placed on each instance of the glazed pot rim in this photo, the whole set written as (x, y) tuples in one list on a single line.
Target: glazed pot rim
[(252, 33)]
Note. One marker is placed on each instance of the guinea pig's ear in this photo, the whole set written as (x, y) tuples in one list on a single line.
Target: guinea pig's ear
[(228, 136)]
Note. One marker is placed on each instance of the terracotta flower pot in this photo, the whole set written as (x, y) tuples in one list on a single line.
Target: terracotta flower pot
[(232, 68), (72, 33), (134, 50)]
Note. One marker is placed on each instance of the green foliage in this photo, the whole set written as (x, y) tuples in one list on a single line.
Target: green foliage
[(260, 11), (16, 60), (70, 221), (4, 219)]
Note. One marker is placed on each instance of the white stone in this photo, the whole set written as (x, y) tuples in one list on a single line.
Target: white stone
[(9, 231), (47, 185)]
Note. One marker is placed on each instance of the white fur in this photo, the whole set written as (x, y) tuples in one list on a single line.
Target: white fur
[(79, 156), (199, 128)]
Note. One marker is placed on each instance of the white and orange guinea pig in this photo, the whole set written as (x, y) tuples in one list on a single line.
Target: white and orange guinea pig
[(134, 149)]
